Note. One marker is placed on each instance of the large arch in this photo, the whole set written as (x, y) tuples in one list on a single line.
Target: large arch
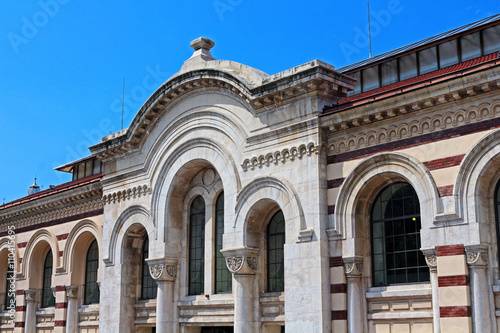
[(35, 252), (136, 214), (352, 209)]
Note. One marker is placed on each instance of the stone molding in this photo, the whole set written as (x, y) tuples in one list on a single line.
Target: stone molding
[(477, 256), (287, 154), (353, 267), (431, 259), (164, 269), (414, 128), (242, 261), (30, 295), (72, 291), (130, 193)]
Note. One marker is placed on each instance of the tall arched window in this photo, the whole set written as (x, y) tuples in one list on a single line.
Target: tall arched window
[(497, 216), (395, 236), (91, 267), (275, 253), (148, 285), (9, 293), (47, 295), (196, 246), (223, 277)]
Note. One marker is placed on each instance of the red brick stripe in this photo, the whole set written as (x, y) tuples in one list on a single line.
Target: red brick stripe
[(62, 237), (416, 141), (331, 209), (21, 245), (446, 162), (339, 315), (19, 324), (336, 262), (61, 305), (56, 222), (60, 323), (20, 292), (21, 308), (339, 288), (450, 250), (333, 183), (61, 288), (445, 191), (454, 311), (61, 253), (450, 281)]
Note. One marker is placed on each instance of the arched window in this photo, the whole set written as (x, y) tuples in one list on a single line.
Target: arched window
[(395, 237), (497, 216), (196, 246), (91, 267), (148, 285), (275, 253), (47, 295), (223, 278)]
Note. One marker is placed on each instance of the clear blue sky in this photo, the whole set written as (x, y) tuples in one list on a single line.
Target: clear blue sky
[(62, 62)]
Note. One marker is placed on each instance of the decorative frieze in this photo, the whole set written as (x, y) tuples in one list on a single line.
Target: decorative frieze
[(130, 193), (287, 154)]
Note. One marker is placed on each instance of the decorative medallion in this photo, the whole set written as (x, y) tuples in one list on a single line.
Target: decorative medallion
[(234, 264), (252, 263), (156, 271)]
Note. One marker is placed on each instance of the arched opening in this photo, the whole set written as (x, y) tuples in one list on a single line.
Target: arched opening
[(196, 246), (395, 237), (149, 288), (48, 299), (275, 253), (91, 295), (7, 280)]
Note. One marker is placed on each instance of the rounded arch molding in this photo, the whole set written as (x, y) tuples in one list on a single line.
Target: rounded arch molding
[(272, 189), (366, 180), (42, 235), (5, 246), (137, 214), (476, 179), (70, 248)]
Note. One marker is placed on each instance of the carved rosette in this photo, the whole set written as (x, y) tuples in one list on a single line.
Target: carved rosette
[(30, 295), (163, 269), (477, 256), (353, 267), (241, 261), (72, 291)]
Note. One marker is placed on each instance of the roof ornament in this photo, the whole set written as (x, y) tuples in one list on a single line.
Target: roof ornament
[(33, 188), (202, 47)]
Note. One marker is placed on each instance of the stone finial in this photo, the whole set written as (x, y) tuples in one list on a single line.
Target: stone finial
[(201, 46), (202, 43)]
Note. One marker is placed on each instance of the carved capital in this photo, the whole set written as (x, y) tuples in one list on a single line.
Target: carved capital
[(164, 269), (242, 260), (477, 256), (72, 291), (431, 259), (353, 267), (30, 295)]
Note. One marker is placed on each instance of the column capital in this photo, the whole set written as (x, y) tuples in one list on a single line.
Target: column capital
[(353, 266), (477, 255), (72, 291), (163, 269), (242, 260), (30, 295), (430, 258)]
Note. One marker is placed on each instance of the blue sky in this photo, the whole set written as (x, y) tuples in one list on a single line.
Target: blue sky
[(62, 62)]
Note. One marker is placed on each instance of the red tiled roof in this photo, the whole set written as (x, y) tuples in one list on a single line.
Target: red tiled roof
[(418, 81), (57, 189)]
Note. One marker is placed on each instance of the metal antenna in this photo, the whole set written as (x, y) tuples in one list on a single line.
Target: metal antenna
[(369, 29), (123, 99)]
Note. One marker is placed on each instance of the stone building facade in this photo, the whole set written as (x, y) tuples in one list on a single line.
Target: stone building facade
[(359, 199)]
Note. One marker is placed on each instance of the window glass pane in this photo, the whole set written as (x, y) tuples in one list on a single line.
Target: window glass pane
[(275, 254), (88, 168), (357, 87), (81, 170), (448, 54), (471, 46), (197, 246), (48, 299), (408, 66), (97, 167), (389, 72), (148, 286), (91, 268), (223, 277), (491, 39), (396, 238), (428, 61), (370, 78)]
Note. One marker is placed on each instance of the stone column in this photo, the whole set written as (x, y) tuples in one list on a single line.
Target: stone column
[(164, 272), (355, 311), (72, 311), (431, 260), (30, 320), (477, 259), (243, 264)]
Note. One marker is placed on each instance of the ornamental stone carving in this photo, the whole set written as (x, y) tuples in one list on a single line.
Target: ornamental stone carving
[(30, 295), (130, 193), (284, 155), (72, 291), (242, 260), (252, 263), (477, 256), (163, 269), (431, 259), (234, 264), (353, 267)]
